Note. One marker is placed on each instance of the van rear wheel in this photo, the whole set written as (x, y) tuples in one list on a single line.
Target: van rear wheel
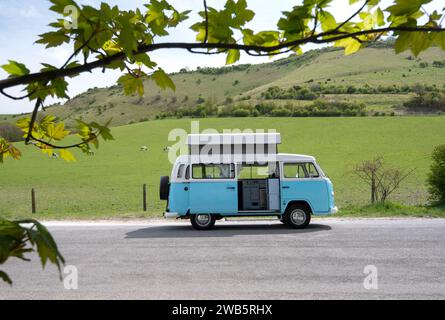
[(203, 221), (297, 216)]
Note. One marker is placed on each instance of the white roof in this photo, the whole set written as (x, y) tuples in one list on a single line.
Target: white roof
[(233, 138), (288, 157), (282, 157)]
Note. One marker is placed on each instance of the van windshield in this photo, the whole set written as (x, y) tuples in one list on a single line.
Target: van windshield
[(300, 170)]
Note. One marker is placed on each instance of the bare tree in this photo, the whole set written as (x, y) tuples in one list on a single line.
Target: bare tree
[(382, 181)]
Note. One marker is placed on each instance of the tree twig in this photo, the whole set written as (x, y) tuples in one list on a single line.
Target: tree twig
[(351, 17), (316, 39), (206, 36)]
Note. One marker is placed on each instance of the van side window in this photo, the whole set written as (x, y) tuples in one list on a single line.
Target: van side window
[(213, 171), (300, 170), (180, 171), (187, 173), (258, 171)]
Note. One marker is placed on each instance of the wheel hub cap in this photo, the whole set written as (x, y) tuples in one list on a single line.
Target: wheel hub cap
[(298, 217), (203, 219)]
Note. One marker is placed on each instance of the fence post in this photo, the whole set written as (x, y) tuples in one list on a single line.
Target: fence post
[(144, 197), (33, 201)]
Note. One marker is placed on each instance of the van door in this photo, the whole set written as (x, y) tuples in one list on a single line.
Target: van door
[(213, 189), (179, 191), (301, 181)]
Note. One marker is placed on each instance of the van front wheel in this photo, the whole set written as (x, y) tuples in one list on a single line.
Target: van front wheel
[(202, 221), (297, 216)]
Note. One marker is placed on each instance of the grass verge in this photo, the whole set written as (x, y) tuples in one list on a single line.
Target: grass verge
[(390, 209), (383, 210)]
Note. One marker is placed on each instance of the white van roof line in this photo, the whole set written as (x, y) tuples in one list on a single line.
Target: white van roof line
[(288, 157)]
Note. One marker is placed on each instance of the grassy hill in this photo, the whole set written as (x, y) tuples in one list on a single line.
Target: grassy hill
[(109, 184), (245, 85)]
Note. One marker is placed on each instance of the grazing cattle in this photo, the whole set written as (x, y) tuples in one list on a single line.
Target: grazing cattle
[(144, 148), (54, 156), (90, 153), (167, 148)]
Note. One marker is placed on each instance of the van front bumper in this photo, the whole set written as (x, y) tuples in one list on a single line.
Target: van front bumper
[(334, 210), (171, 215)]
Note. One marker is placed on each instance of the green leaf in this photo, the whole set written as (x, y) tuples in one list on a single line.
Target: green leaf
[(7, 149), (145, 59), (163, 80), (351, 45), (57, 131), (232, 56), (420, 42), (327, 21), (5, 277), (66, 155), (379, 17), (406, 7), (46, 246), (53, 38), (440, 40), (403, 42), (59, 5), (59, 87), (15, 68), (131, 84), (126, 38)]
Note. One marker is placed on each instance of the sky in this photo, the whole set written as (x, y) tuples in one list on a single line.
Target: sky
[(21, 21)]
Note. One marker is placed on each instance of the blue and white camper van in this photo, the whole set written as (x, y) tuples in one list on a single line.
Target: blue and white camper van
[(238, 175)]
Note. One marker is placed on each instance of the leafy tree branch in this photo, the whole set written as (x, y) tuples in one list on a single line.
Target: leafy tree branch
[(111, 38)]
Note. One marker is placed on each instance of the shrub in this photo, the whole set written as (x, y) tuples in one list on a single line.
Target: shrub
[(200, 100), (436, 176), (430, 102), (240, 113), (10, 132), (264, 108), (295, 92), (281, 112), (439, 64)]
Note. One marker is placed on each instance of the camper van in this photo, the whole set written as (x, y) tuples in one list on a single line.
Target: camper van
[(239, 175)]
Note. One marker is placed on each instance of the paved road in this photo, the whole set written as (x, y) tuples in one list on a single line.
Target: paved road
[(258, 260)]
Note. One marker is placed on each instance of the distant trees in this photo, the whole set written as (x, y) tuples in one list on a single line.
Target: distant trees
[(223, 70), (295, 92), (439, 64), (319, 108), (426, 102), (436, 176), (314, 90)]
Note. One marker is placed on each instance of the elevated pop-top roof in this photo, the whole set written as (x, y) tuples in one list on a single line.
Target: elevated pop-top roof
[(233, 139)]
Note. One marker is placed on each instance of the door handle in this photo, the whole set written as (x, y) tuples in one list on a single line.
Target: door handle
[(285, 187), (231, 188), (186, 188)]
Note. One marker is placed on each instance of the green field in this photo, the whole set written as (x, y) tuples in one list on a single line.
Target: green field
[(109, 184)]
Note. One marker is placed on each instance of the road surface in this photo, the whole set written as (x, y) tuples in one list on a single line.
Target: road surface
[(241, 260)]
